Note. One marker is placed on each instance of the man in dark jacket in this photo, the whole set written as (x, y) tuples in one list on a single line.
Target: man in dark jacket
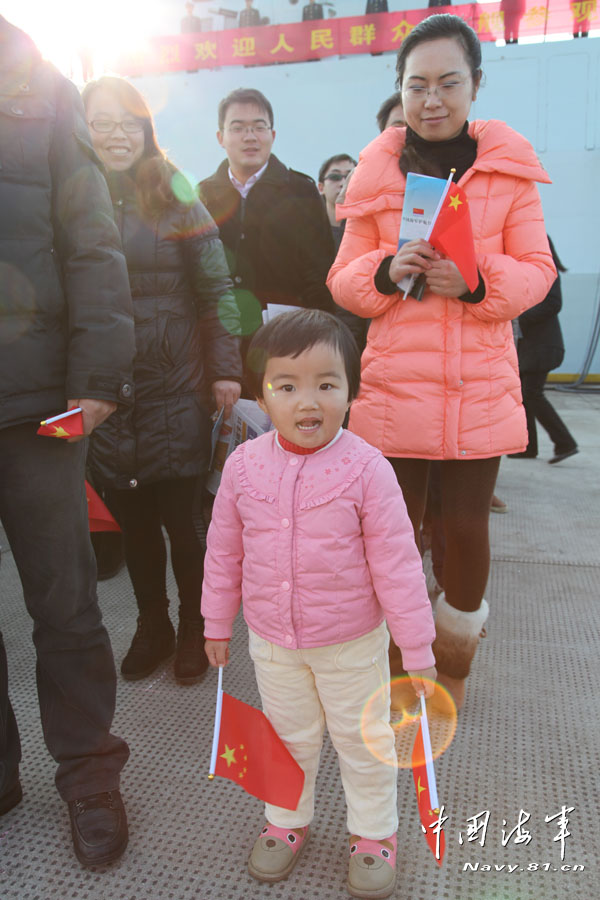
[(66, 339), (249, 17), (312, 11), (271, 219)]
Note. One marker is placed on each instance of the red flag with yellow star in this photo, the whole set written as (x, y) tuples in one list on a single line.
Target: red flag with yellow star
[(99, 516), (252, 754), (452, 234), (69, 424), (430, 818)]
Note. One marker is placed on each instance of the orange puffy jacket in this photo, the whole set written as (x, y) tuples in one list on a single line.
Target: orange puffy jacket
[(440, 378)]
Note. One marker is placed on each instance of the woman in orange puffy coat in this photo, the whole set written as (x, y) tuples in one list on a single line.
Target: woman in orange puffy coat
[(440, 377)]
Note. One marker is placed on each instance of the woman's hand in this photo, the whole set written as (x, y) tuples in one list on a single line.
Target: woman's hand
[(217, 652), (412, 258), (423, 680), (443, 278), (226, 393)]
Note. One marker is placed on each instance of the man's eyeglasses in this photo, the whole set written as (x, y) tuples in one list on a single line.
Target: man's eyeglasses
[(335, 176), (238, 128), (129, 126)]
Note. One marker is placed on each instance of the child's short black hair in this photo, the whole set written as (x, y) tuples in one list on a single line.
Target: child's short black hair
[(290, 334)]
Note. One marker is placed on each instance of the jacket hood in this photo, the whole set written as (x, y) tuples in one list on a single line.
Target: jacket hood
[(378, 183)]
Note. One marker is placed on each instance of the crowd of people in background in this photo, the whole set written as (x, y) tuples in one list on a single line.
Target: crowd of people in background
[(146, 312), (512, 12)]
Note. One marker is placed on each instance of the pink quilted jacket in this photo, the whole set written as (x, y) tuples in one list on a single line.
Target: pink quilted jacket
[(319, 548), (440, 378)]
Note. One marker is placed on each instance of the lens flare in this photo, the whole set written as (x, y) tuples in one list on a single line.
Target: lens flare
[(250, 311), (183, 188), (405, 716)]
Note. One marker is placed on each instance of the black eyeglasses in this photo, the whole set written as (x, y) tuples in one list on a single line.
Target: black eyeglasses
[(335, 176)]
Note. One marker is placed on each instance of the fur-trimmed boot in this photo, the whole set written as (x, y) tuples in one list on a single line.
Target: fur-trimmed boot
[(457, 636)]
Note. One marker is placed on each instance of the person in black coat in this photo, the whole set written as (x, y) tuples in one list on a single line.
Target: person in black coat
[(312, 11), (540, 349), (271, 219), (376, 6), (186, 327), (66, 340), (249, 17)]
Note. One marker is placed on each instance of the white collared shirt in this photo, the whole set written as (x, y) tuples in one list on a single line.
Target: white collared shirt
[(244, 189)]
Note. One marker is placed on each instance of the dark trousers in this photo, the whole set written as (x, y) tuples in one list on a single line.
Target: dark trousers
[(142, 512), (466, 489), (537, 406), (44, 510)]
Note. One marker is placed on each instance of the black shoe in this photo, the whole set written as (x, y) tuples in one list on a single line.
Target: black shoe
[(191, 661), (12, 796), (558, 457), (526, 454), (99, 828), (153, 642)]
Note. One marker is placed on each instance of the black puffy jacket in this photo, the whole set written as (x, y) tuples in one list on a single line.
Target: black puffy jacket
[(185, 326), (66, 327)]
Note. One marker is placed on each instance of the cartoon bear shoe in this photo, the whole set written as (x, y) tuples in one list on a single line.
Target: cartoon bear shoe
[(372, 867), (276, 852)]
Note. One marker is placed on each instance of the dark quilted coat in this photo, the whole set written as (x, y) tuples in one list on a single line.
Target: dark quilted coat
[(66, 329), (185, 322)]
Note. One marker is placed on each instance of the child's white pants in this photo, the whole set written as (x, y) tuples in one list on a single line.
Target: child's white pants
[(303, 689)]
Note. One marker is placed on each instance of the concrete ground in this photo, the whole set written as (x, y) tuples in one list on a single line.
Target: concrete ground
[(526, 745)]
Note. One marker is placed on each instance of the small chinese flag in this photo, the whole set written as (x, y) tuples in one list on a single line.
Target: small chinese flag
[(428, 815), (69, 424), (252, 754), (99, 515), (452, 235)]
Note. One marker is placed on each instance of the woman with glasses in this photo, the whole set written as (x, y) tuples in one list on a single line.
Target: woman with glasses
[(188, 362), (440, 377)]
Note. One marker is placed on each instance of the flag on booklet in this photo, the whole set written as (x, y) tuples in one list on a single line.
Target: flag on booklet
[(66, 425), (452, 235), (99, 515), (251, 753), (427, 800)]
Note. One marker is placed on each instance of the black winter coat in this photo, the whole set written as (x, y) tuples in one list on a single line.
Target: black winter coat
[(278, 241), (185, 326), (66, 329), (541, 347)]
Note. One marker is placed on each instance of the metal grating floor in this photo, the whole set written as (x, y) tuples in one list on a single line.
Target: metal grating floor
[(528, 737)]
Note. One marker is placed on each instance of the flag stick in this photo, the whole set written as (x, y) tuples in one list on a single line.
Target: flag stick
[(215, 743), (433, 221), (69, 412), (433, 797)]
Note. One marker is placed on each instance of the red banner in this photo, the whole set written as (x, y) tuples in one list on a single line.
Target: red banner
[(316, 39)]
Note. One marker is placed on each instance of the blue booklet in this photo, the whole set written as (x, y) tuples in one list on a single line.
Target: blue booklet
[(422, 200)]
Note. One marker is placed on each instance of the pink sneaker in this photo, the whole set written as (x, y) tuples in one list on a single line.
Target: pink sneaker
[(372, 867), (276, 851)]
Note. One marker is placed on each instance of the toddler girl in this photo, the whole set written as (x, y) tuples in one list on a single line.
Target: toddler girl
[(309, 528)]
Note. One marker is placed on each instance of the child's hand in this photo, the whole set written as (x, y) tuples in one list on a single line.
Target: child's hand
[(217, 652), (422, 681)]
